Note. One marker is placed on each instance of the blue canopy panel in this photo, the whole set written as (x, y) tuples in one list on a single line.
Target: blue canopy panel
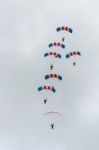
[(46, 54), (40, 88), (78, 53), (62, 46), (67, 56), (70, 30), (50, 45), (46, 77), (58, 29), (58, 55), (59, 77), (53, 89)]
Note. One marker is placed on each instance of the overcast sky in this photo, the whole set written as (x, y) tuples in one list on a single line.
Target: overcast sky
[(26, 29)]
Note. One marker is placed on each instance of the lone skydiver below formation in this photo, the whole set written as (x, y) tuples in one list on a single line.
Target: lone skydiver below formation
[(52, 126)]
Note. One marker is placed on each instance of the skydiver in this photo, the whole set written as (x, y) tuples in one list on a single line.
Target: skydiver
[(74, 63), (45, 100), (63, 39), (51, 67), (52, 126)]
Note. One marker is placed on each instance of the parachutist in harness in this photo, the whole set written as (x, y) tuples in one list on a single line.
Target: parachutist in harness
[(45, 100), (51, 67), (52, 126), (63, 39), (74, 63)]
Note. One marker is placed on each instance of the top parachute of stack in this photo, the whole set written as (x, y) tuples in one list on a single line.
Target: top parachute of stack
[(64, 28)]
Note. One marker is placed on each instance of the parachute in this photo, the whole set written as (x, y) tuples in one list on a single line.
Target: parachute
[(53, 76), (51, 88), (73, 53), (56, 55), (52, 112), (64, 28), (57, 44)]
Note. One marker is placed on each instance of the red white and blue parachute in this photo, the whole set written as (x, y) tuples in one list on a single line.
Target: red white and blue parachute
[(56, 55), (57, 44), (51, 88), (64, 28), (73, 53), (53, 76)]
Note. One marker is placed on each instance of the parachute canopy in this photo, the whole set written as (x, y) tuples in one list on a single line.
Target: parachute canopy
[(64, 28), (53, 76), (52, 113), (56, 55), (57, 44), (73, 53), (51, 88)]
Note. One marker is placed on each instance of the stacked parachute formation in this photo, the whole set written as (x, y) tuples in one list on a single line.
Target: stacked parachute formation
[(51, 75)]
